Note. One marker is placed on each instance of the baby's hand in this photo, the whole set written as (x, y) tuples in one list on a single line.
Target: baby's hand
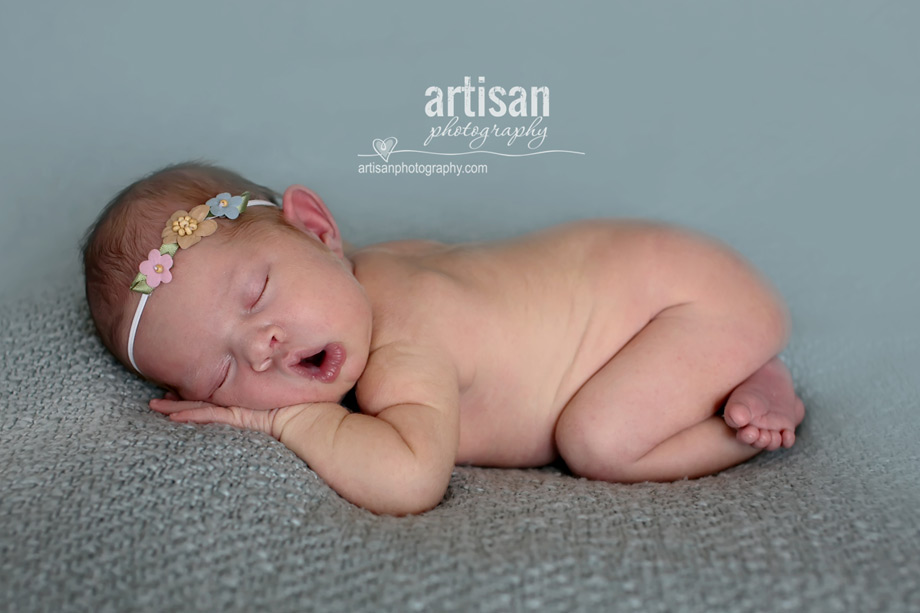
[(200, 412), (397, 462)]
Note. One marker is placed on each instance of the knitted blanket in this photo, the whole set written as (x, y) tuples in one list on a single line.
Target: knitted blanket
[(107, 506)]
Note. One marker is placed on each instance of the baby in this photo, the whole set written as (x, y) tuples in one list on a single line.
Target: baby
[(633, 350)]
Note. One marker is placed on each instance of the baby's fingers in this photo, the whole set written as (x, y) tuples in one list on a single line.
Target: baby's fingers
[(209, 415), (169, 406), (237, 417)]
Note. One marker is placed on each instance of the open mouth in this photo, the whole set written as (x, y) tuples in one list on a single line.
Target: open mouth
[(323, 365)]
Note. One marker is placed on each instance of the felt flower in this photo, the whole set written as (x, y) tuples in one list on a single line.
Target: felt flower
[(156, 268), (188, 227), (225, 205)]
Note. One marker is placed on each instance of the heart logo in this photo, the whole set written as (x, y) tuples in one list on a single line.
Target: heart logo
[(385, 147)]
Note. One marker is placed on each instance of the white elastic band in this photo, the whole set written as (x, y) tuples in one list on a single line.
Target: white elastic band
[(140, 305)]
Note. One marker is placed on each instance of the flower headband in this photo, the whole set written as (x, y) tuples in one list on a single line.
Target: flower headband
[(183, 230)]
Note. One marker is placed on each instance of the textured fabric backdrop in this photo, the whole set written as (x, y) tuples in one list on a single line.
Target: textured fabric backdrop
[(107, 506)]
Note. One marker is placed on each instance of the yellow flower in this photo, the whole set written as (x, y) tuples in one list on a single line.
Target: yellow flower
[(187, 227)]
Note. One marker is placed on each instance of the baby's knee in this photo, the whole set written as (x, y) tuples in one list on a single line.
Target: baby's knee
[(592, 452)]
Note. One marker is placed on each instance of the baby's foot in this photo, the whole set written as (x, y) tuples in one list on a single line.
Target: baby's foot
[(764, 408)]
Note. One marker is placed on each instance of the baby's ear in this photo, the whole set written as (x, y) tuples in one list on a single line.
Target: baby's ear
[(306, 211)]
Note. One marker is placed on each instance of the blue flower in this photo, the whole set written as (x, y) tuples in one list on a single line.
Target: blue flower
[(224, 205)]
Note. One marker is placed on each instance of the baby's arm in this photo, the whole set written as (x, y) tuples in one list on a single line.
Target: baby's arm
[(395, 458)]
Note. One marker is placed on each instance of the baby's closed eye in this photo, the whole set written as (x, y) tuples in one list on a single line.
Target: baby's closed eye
[(258, 294)]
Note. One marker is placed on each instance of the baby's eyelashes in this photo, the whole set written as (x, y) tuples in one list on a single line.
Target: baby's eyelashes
[(260, 295)]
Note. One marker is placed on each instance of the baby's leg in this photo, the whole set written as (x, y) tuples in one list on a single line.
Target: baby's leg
[(650, 412)]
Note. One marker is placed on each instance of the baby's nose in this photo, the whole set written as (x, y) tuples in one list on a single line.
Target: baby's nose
[(263, 348)]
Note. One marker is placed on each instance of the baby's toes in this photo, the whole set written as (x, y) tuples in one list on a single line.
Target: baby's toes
[(737, 415), (776, 440), (788, 438), (763, 441), (748, 435)]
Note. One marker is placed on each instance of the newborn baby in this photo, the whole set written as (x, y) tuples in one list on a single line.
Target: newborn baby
[(633, 350)]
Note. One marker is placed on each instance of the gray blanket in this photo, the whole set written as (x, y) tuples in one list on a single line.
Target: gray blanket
[(107, 506), (789, 130)]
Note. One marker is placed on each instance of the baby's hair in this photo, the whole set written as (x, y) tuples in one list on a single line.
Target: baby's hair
[(130, 225)]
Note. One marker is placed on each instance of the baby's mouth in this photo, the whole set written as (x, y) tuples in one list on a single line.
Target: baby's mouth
[(323, 365)]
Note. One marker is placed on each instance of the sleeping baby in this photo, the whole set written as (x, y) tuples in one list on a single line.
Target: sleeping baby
[(634, 351)]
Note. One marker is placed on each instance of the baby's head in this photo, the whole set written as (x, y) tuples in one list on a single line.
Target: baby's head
[(260, 311)]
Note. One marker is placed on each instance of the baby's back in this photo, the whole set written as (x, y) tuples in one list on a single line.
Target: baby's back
[(526, 322)]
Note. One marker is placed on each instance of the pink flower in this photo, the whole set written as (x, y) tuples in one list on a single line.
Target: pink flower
[(156, 268)]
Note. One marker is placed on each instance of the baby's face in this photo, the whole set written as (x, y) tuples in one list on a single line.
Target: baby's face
[(260, 320)]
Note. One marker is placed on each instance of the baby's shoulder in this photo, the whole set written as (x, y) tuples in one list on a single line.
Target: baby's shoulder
[(400, 248), (392, 263), (400, 272)]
